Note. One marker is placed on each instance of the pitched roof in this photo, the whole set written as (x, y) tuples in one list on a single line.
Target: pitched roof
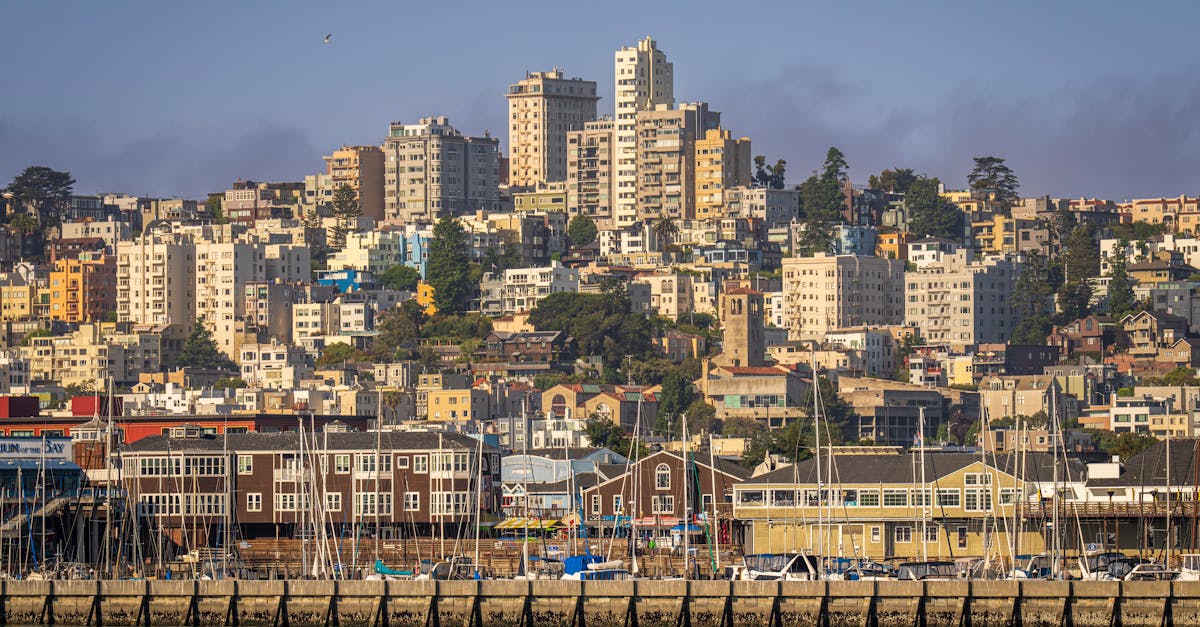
[(1149, 468), (290, 441), (903, 468)]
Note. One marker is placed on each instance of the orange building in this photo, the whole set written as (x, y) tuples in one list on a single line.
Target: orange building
[(83, 289)]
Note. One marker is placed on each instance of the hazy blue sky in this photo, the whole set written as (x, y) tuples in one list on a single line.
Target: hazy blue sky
[(167, 98)]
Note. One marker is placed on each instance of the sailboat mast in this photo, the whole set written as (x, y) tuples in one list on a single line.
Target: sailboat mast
[(378, 468), (924, 499), (716, 527), (687, 506), (817, 452)]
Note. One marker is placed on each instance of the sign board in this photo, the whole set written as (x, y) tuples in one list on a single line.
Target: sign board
[(35, 448)]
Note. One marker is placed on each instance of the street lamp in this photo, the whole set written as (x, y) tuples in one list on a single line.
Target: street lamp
[(8, 198)]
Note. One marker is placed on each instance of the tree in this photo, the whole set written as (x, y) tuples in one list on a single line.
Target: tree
[(1081, 262), (605, 433), (702, 417), (1125, 445), (676, 395), (336, 353), (346, 209), (822, 198), (896, 181), (231, 383), (200, 351), (215, 209), (995, 181), (929, 214), (398, 332), (581, 231), (1121, 300), (1179, 377), (665, 229), (43, 193), (769, 176), (601, 324), (400, 277), (447, 268)]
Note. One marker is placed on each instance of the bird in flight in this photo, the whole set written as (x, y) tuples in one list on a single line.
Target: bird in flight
[(328, 37)]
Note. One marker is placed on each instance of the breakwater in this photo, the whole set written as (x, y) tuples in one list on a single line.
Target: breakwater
[(597, 604)]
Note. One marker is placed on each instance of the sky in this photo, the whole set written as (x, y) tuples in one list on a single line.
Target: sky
[(180, 99)]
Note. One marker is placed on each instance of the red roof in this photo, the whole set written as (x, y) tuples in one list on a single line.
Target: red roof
[(743, 290)]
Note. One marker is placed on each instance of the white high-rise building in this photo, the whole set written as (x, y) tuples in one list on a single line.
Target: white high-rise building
[(644, 79), (222, 272), (959, 300), (542, 109), (156, 279)]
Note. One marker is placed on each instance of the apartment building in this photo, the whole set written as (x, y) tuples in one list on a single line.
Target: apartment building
[(83, 289), (960, 300), (670, 294), (432, 170), (827, 292), (666, 158), (360, 167), (372, 251), (250, 201), (592, 172), (644, 79), (156, 279), (111, 230), (542, 109), (520, 290), (773, 207), (222, 272), (93, 355), (722, 164)]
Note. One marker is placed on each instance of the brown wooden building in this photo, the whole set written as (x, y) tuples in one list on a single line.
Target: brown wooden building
[(658, 481), (403, 483)]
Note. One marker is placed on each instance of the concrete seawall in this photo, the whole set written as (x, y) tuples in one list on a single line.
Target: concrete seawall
[(596, 604)]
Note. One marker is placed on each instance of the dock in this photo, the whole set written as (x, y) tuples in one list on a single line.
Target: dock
[(648, 603)]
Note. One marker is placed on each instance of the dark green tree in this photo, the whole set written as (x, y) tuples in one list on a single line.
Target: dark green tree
[(346, 209), (42, 192), (994, 180), (769, 176), (200, 351), (1081, 262), (665, 229), (601, 324), (822, 199), (214, 207), (446, 270), (581, 230), (896, 180), (702, 417), (676, 395), (400, 277), (1179, 377), (336, 353), (1121, 300), (399, 330), (929, 214)]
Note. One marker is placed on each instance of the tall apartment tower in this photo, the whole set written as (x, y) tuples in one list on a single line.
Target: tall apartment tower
[(360, 167), (666, 159), (542, 110), (722, 163), (431, 170), (644, 80), (591, 172), (156, 279), (742, 324), (827, 292)]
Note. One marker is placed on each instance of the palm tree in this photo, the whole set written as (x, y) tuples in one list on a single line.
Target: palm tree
[(665, 229)]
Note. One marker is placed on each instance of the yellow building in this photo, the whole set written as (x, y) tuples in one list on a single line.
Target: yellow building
[(893, 245), (544, 197), (83, 289), (458, 404), (884, 506), (425, 298), (16, 299), (1161, 210), (722, 162)]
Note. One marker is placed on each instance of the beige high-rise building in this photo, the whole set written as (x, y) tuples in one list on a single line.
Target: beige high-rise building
[(666, 159), (644, 80), (826, 292), (156, 279), (722, 163), (222, 272), (360, 167), (591, 172), (959, 300), (432, 170), (542, 110)]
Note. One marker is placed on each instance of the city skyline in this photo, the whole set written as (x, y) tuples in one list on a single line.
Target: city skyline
[(181, 101)]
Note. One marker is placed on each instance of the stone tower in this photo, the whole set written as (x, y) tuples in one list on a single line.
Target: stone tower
[(742, 319)]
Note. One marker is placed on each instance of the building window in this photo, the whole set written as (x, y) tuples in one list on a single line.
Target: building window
[(618, 504), (662, 477), (868, 498), (412, 501), (876, 534), (402, 462), (333, 501), (595, 504), (903, 534), (895, 498), (931, 534), (663, 504), (977, 499), (254, 502), (341, 464), (949, 497), (245, 465), (421, 463)]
